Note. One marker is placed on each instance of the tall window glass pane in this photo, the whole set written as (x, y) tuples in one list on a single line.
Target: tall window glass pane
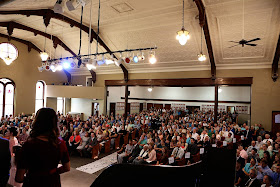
[(9, 100), (39, 102)]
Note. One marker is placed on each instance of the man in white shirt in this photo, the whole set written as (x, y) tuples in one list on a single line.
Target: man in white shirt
[(178, 152), (194, 134), (267, 138), (253, 145), (203, 135)]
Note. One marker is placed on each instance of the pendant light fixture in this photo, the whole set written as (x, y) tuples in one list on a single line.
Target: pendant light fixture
[(44, 56), (201, 56), (183, 35)]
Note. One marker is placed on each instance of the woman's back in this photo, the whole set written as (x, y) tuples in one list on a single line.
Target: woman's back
[(40, 158)]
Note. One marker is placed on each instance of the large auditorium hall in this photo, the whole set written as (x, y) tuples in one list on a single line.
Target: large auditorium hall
[(139, 93)]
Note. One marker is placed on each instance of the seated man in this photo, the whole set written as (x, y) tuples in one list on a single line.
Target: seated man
[(263, 170), (253, 181), (92, 141), (124, 155), (192, 147), (144, 153), (135, 151), (177, 152)]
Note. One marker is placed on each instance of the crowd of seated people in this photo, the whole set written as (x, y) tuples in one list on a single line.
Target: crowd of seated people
[(165, 137)]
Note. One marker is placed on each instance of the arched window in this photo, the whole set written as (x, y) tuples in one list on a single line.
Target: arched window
[(40, 95), (7, 94)]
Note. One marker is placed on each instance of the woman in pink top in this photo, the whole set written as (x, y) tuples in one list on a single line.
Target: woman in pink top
[(13, 140), (243, 153), (152, 159)]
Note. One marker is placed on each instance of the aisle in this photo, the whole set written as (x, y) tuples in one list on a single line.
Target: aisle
[(99, 164)]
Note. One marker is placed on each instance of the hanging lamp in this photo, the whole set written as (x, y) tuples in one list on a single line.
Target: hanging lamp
[(183, 35)]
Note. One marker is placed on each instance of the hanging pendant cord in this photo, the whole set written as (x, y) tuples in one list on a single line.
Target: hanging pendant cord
[(183, 19), (201, 41), (89, 36), (45, 40), (98, 23), (81, 30)]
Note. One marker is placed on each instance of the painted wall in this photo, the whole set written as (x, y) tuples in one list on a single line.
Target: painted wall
[(82, 105), (75, 92), (24, 72), (51, 102)]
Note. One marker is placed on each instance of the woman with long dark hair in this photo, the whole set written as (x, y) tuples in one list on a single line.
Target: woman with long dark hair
[(42, 152)]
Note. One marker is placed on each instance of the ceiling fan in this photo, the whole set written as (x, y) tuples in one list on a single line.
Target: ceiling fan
[(244, 42)]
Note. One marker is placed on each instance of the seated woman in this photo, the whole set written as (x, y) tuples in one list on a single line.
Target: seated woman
[(83, 143), (163, 158), (249, 166), (105, 138), (152, 156), (74, 142), (113, 136)]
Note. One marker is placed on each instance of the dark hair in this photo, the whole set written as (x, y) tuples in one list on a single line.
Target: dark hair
[(45, 123), (13, 131), (255, 149)]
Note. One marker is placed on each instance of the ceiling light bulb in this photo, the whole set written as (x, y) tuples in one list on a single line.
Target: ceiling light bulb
[(201, 57), (183, 36), (150, 89), (52, 67), (136, 59), (66, 65), (220, 90), (152, 59), (44, 56)]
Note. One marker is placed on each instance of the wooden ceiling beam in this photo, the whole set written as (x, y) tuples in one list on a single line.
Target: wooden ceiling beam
[(48, 14), (276, 58), (204, 23), (192, 82), (56, 41), (30, 46)]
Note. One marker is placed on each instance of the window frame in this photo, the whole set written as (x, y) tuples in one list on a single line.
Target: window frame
[(4, 95), (44, 87)]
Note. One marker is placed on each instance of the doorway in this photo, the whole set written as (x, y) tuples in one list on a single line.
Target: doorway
[(158, 106), (95, 109), (141, 107), (112, 109), (230, 109), (275, 122), (149, 106), (167, 106)]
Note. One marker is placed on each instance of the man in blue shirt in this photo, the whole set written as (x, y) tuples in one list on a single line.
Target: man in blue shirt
[(276, 176), (263, 170)]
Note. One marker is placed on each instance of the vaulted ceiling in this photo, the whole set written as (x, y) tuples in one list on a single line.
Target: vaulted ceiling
[(146, 23)]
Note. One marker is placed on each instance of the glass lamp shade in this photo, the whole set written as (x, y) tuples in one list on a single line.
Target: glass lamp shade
[(201, 57), (8, 60), (44, 56), (183, 36), (152, 59)]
